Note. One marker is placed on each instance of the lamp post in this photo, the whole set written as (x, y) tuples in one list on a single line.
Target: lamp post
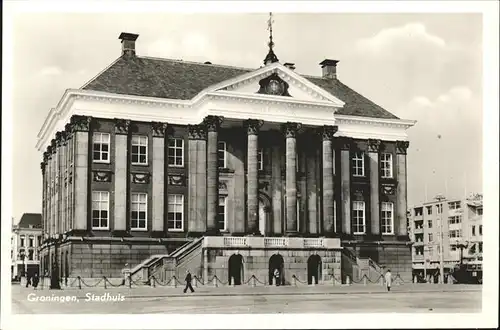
[(462, 246), (440, 198)]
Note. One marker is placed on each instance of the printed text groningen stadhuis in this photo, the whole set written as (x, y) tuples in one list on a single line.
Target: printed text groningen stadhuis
[(89, 297)]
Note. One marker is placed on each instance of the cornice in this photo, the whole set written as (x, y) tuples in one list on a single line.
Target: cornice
[(356, 120)]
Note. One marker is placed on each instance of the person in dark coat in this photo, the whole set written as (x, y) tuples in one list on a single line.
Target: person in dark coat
[(35, 281), (188, 280), (28, 280)]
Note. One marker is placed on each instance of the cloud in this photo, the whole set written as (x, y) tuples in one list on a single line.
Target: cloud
[(51, 71), (406, 37), (445, 143)]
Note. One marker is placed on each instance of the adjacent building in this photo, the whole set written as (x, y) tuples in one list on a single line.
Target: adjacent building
[(453, 227), (163, 165), (26, 240)]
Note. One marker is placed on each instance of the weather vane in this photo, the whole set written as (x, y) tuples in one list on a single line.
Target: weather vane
[(270, 22)]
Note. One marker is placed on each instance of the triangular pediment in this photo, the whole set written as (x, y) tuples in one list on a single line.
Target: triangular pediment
[(293, 86)]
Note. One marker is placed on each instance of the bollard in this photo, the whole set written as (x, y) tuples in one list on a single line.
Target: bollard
[(129, 281), (364, 280), (174, 281), (415, 280), (232, 282), (104, 279), (254, 281), (294, 280), (348, 280), (195, 281), (79, 282), (215, 281), (313, 280), (431, 280), (153, 281), (450, 279)]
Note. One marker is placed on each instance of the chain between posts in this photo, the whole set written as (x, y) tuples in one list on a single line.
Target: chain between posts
[(153, 281)]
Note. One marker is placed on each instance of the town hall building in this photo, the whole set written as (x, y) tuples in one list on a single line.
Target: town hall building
[(161, 166)]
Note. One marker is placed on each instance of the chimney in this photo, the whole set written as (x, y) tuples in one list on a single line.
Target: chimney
[(329, 68), (128, 43), (291, 66)]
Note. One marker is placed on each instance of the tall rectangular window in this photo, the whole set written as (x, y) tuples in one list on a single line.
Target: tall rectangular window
[(101, 147), (30, 254), (176, 152), (456, 233), (100, 210), (473, 230), (175, 218), (455, 219), (453, 205), (429, 210), (387, 218), (386, 165), (221, 214), (221, 154), (138, 211), (39, 240), (139, 150), (480, 230), (358, 164), (31, 241), (358, 217), (22, 240), (430, 237), (439, 208), (260, 159), (429, 223)]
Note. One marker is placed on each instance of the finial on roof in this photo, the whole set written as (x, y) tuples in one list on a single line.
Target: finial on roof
[(270, 57)]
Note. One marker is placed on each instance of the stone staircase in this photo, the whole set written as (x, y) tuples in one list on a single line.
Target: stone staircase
[(357, 267), (157, 264)]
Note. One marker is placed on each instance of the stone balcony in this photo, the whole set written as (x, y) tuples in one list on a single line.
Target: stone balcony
[(256, 242)]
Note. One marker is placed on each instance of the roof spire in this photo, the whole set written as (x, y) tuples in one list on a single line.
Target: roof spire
[(270, 57)]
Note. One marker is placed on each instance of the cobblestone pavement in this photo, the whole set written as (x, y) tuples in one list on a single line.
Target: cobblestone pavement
[(306, 299)]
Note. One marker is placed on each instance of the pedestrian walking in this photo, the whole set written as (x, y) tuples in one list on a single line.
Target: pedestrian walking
[(28, 280), (277, 277), (388, 280), (188, 282), (35, 281)]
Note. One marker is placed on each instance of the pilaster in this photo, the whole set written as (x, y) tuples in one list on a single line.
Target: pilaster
[(373, 156), (345, 183), (80, 125), (159, 183), (119, 223), (277, 187), (401, 194), (197, 218)]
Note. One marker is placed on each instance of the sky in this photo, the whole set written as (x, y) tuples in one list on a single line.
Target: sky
[(426, 67)]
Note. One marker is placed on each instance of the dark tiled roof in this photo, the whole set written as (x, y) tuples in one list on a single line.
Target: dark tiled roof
[(175, 79), (33, 219)]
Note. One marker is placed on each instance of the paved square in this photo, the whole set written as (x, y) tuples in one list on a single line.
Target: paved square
[(244, 299)]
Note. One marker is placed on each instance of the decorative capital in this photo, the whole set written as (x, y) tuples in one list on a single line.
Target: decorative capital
[(344, 143), (80, 123), (53, 146), (253, 126), (374, 145), (197, 132), (42, 167), (122, 126), (159, 128), (290, 129), (402, 146), (327, 132), (45, 156), (213, 123)]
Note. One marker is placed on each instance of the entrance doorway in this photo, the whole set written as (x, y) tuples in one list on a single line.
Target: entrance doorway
[(235, 269), (313, 269), (276, 262)]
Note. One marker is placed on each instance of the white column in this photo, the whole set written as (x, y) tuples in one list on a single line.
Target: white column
[(158, 208), (81, 126)]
